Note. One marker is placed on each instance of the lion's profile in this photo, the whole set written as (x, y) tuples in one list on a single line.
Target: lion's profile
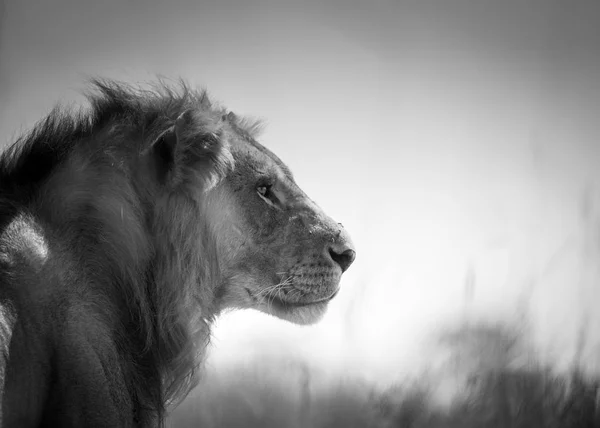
[(124, 231)]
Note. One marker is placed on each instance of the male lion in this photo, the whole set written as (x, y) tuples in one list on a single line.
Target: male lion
[(124, 231)]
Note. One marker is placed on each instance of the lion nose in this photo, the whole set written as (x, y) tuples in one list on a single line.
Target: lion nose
[(343, 254)]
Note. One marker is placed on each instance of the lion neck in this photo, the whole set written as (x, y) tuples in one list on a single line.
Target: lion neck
[(186, 275), (162, 259)]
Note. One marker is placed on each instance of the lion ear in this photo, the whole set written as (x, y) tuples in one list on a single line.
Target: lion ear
[(164, 148), (229, 117), (191, 146)]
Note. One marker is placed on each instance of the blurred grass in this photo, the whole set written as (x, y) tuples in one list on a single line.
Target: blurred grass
[(492, 375), (493, 393)]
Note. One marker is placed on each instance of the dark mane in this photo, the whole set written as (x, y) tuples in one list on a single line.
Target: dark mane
[(153, 280), (112, 104)]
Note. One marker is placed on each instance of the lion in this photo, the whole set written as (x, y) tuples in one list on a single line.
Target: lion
[(125, 229)]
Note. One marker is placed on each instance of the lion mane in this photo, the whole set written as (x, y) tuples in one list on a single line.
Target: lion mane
[(111, 318)]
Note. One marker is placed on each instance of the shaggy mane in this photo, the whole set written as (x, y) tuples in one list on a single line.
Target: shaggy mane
[(113, 104), (163, 313)]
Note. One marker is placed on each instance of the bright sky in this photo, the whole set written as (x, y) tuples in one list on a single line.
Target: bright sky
[(455, 139)]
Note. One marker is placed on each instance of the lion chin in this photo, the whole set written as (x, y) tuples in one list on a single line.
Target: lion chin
[(302, 315), (298, 313)]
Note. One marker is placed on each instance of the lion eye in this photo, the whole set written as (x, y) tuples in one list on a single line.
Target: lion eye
[(266, 194), (264, 191)]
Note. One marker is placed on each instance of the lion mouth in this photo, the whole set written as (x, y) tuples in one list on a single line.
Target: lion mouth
[(286, 304)]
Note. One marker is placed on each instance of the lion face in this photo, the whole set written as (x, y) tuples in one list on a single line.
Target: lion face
[(278, 251)]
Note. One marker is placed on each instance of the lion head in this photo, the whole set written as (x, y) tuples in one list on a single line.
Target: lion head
[(279, 252), (275, 249)]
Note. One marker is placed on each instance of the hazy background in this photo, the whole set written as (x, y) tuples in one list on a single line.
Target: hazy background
[(458, 141)]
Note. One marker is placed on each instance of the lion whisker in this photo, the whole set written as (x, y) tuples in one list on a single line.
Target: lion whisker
[(266, 290), (268, 294), (276, 287)]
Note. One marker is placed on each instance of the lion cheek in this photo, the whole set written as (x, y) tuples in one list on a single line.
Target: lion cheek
[(236, 292)]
